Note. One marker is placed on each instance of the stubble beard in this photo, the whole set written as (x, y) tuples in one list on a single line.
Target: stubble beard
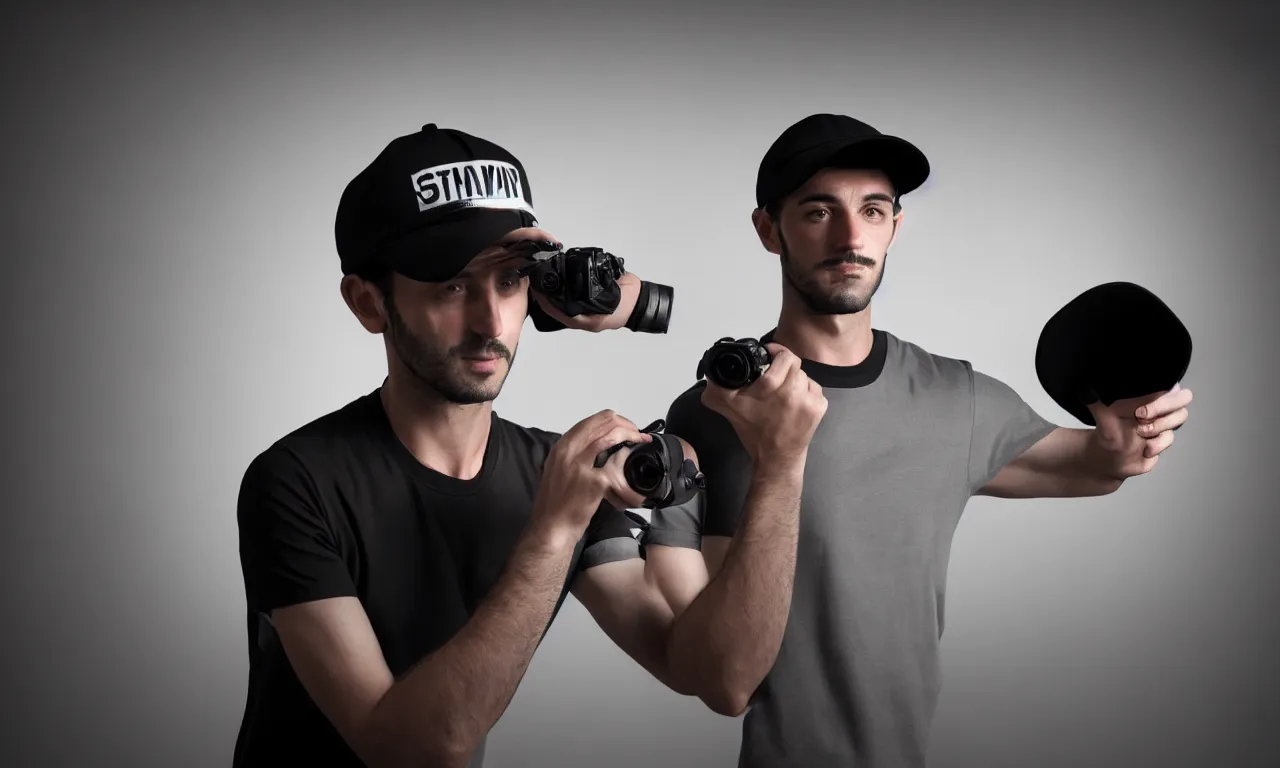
[(840, 300), (439, 371)]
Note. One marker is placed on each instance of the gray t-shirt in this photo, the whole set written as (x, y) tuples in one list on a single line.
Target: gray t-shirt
[(907, 439)]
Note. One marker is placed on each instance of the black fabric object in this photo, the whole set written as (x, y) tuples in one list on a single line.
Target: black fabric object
[(1113, 342), (652, 312), (429, 202), (836, 141)]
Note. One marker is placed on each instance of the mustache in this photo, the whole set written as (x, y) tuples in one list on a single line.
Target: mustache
[(478, 346), (847, 258)]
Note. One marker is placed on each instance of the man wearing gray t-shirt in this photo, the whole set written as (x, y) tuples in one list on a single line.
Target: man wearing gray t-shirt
[(847, 611)]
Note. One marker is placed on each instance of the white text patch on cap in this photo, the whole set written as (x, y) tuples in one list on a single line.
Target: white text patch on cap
[(470, 183)]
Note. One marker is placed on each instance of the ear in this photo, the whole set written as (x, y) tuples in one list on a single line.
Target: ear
[(365, 302), (897, 227), (767, 230)]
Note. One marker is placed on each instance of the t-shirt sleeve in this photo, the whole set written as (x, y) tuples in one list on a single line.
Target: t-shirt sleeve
[(288, 551), (716, 510), (608, 538), (1004, 426)]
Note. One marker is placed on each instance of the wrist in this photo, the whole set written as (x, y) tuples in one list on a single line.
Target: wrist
[(782, 464), (651, 312), (552, 534)]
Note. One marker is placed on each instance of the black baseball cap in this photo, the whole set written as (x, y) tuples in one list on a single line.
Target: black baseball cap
[(836, 141), (429, 202), (1112, 342)]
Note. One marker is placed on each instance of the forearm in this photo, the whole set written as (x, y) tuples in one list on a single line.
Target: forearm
[(1068, 463), (726, 641), (449, 700)]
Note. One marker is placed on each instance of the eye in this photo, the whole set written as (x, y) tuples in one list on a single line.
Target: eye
[(875, 213), (452, 289), (817, 214)]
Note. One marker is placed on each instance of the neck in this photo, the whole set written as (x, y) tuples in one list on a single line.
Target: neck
[(445, 436), (842, 340)]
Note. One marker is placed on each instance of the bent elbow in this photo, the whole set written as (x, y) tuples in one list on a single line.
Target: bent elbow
[(431, 747), (727, 701)]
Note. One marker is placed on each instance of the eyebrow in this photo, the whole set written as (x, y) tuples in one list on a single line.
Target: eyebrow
[(822, 197), (502, 269)]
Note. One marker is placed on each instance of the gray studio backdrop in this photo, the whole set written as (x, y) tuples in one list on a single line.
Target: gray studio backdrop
[(172, 307)]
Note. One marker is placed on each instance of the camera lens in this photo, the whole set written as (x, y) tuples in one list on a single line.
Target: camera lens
[(645, 473), (550, 281), (731, 370)]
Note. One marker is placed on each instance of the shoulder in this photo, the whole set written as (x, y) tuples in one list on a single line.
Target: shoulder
[(689, 418), (927, 367), (526, 441), (321, 442)]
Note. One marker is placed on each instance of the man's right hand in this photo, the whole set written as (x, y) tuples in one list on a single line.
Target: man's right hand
[(572, 487), (776, 415)]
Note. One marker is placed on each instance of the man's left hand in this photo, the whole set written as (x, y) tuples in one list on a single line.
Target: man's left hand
[(630, 287), (1131, 434)]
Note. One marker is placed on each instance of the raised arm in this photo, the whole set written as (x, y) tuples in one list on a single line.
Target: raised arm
[(1015, 454), (731, 611), (436, 713)]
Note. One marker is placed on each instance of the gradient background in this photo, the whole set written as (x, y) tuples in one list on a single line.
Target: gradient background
[(172, 308)]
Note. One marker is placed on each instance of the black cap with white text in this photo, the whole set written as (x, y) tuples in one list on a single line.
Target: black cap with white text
[(429, 203)]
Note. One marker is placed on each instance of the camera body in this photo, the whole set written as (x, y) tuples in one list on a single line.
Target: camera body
[(658, 470), (584, 281), (734, 364), (577, 281)]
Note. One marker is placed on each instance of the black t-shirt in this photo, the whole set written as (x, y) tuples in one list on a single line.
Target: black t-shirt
[(340, 507)]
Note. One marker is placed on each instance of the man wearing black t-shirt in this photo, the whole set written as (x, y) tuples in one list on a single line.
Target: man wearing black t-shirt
[(404, 555)]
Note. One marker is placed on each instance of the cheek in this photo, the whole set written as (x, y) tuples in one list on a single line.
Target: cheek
[(807, 245), (514, 312)]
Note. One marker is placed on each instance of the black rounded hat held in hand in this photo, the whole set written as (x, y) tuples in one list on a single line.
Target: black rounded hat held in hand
[(1112, 342)]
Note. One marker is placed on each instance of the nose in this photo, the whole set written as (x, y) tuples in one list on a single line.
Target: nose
[(484, 312), (845, 233)]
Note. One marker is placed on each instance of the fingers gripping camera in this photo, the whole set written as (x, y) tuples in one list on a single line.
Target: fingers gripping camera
[(734, 364), (584, 281)]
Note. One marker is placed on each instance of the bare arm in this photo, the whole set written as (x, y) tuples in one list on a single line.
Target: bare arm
[(727, 638), (437, 713), (721, 651), (1128, 440), (627, 603), (1062, 464)]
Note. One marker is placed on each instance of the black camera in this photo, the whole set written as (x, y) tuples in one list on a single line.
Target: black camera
[(734, 364), (584, 281), (658, 470), (579, 281)]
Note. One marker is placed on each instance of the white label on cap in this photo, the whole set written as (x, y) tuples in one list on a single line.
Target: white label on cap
[(471, 183)]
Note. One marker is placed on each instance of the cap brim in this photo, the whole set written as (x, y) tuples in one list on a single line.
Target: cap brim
[(1113, 342), (900, 160), (438, 252), (904, 164)]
